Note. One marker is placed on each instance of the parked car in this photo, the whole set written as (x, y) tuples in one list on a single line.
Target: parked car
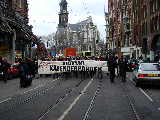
[(13, 71), (147, 73)]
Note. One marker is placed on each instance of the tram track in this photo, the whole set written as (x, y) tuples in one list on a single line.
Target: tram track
[(131, 103), (32, 96), (26, 97), (91, 106), (60, 100)]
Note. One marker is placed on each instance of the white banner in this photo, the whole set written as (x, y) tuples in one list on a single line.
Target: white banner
[(51, 67)]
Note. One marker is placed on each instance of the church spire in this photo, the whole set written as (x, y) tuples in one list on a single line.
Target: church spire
[(63, 2), (63, 15)]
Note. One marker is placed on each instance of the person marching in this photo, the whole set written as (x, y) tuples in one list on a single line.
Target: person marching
[(4, 66), (123, 68), (23, 70), (111, 67)]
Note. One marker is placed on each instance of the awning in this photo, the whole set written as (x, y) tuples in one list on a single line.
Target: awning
[(4, 27)]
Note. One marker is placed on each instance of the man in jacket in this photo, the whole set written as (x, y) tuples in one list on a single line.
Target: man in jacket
[(111, 67), (24, 71), (123, 68), (4, 66)]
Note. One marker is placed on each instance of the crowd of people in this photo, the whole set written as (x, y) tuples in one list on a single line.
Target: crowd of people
[(27, 70), (118, 66), (29, 67)]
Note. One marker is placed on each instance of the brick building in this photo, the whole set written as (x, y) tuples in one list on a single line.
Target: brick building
[(149, 14), (135, 27), (16, 37)]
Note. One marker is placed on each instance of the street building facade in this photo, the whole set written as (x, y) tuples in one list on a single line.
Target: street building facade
[(150, 28), (134, 27), (107, 31), (16, 37), (120, 18)]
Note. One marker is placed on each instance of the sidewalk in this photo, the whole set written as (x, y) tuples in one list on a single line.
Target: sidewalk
[(12, 88)]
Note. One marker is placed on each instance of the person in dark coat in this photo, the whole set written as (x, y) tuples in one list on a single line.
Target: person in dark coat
[(122, 68), (32, 66), (23, 70), (111, 67), (5, 69), (4, 66)]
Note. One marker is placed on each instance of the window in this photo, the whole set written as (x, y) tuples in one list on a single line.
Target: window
[(150, 67), (158, 4)]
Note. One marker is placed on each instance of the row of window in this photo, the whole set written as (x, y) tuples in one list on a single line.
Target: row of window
[(154, 26), (154, 6)]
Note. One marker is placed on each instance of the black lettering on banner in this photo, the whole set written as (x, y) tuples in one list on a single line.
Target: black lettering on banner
[(68, 68), (76, 62), (64, 68), (87, 68), (69, 63), (61, 68), (54, 68), (99, 68), (95, 68), (92, 69), (75, 68), (51, 68), (73, 62), (79, 68), (72, 68), (83, 68), (80, 62)]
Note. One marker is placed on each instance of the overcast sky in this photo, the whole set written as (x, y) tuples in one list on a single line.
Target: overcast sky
[(43, 14)]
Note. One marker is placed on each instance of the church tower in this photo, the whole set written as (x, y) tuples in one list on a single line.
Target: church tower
[(63, 15)]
